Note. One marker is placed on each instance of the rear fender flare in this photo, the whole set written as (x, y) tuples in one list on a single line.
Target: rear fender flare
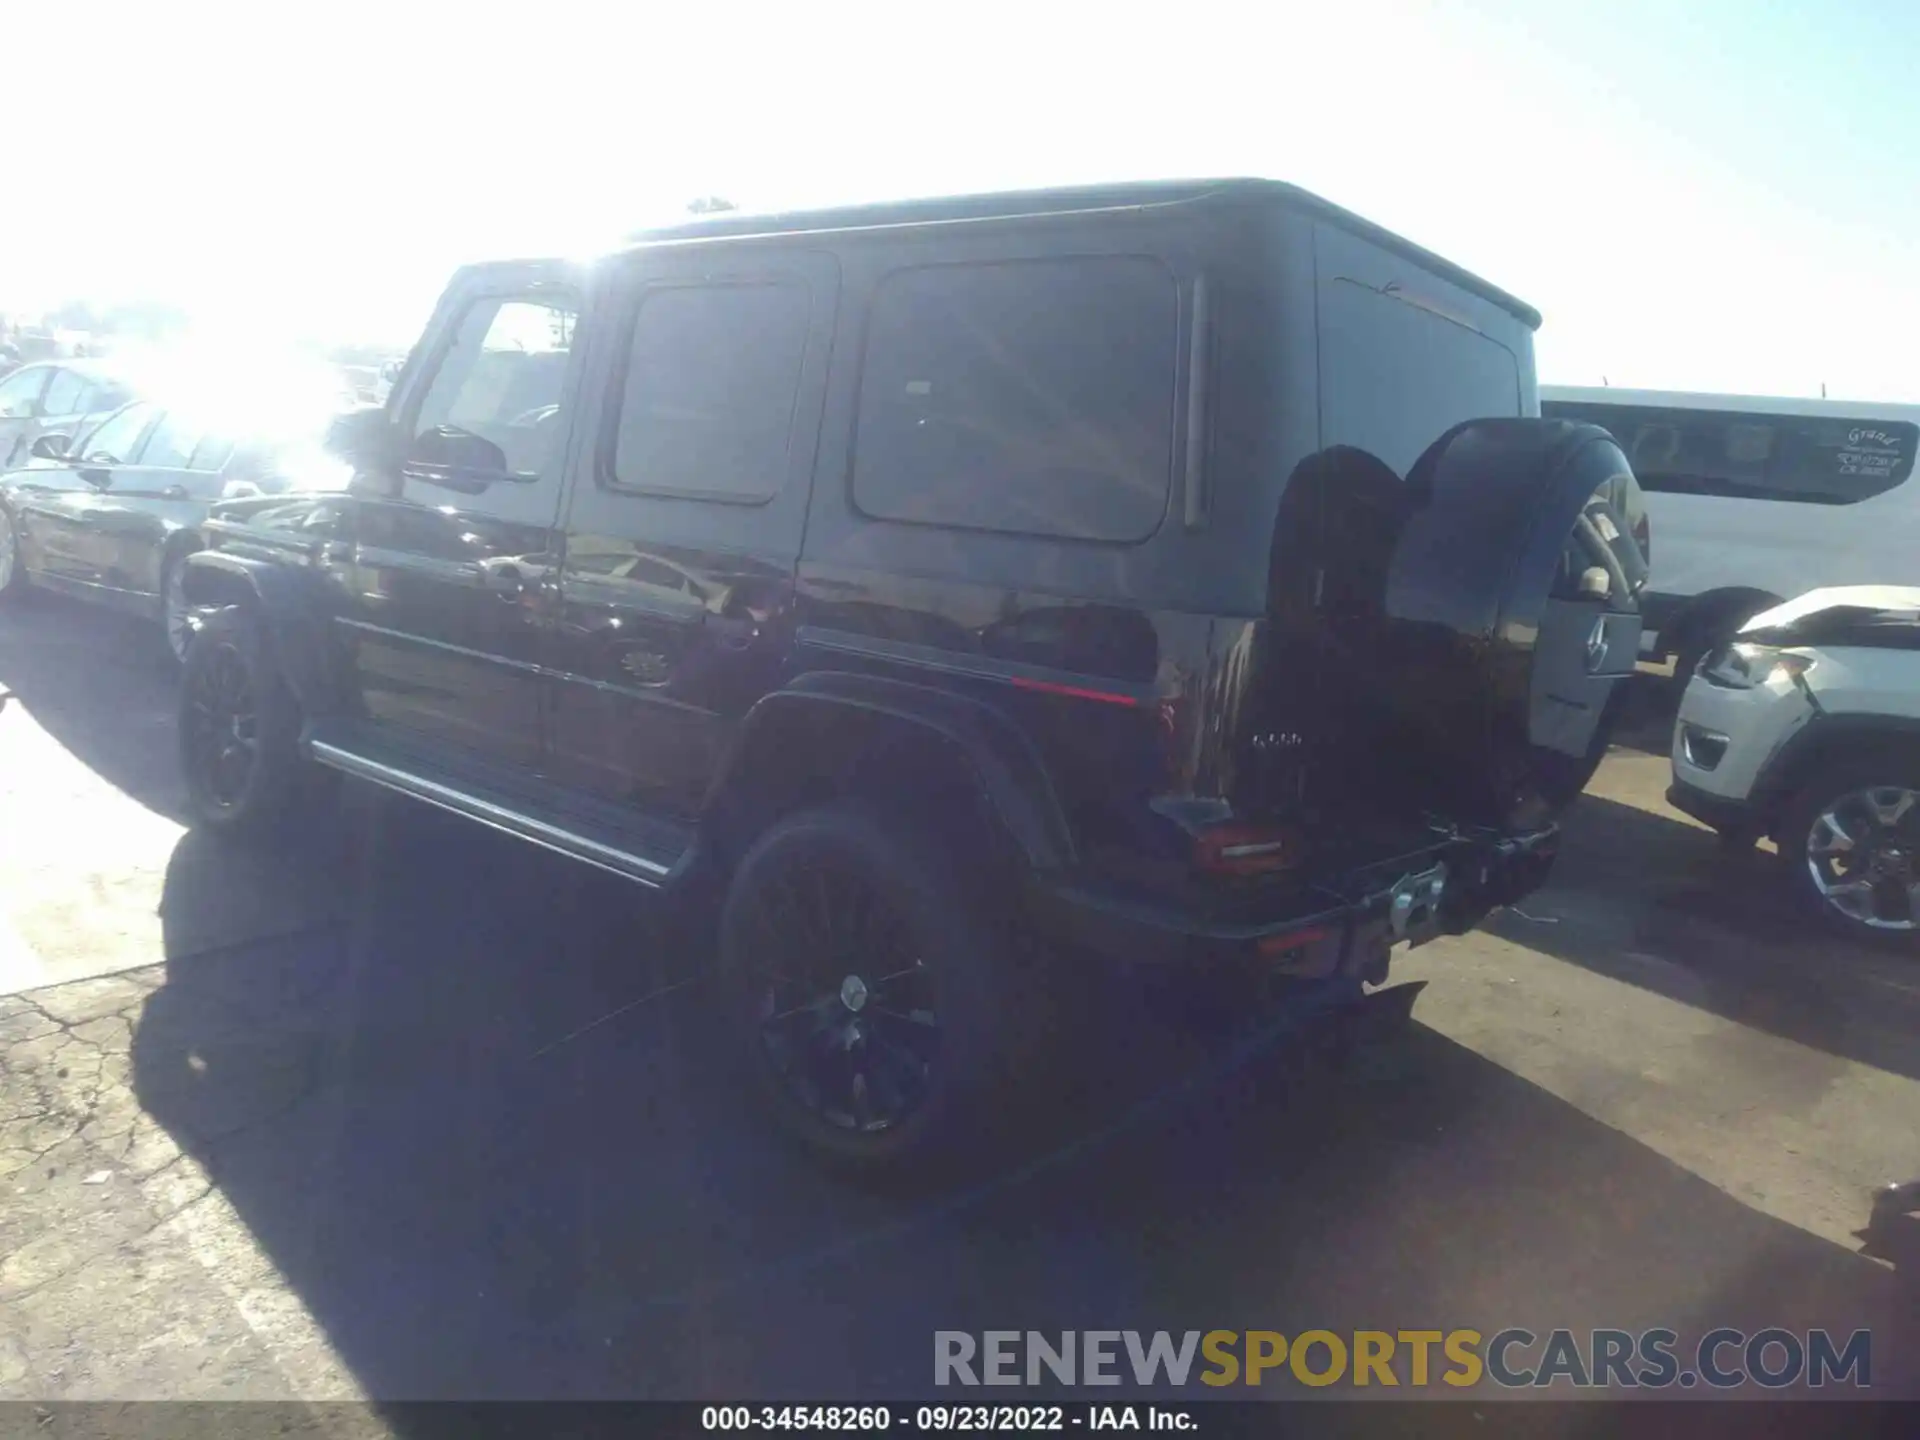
[(994, 753), (292, 607)]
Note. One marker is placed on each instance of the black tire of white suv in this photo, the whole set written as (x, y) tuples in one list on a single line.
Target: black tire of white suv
[(1850, 838), (872, 994)]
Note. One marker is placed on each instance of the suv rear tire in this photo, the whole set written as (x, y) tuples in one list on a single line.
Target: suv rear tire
[(239, 730), (1857, 821), (871, 993)]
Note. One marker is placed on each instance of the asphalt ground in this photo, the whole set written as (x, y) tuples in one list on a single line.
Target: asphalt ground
[(412, 1111)]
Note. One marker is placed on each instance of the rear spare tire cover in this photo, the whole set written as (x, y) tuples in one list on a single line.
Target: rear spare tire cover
[(1502, 643)]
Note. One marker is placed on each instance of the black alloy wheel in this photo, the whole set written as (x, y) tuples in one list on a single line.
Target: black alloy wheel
[(239, 730), (220, 728), (872, 993), (845, 1003)]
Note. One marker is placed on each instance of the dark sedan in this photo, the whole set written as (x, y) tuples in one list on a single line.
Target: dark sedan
[(111, 520)]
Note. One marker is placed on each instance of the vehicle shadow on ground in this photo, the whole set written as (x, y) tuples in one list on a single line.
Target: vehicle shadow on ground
[(1648, 704), (104, 685), (1654, 901), (486, 1131)]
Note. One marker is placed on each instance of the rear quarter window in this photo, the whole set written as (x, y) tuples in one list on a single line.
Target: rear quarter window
[(1033, 397), (1395, 377)]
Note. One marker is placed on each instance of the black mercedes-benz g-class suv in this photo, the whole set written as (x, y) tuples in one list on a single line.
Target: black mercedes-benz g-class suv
[(946, 590)]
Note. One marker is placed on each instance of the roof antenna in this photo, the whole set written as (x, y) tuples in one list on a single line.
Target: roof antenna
[(1606, 382), (1823, 389)]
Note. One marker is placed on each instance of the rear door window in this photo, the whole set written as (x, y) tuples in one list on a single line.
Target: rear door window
[(713, 376), (212, 453), (1034, 397), (171, 444), (65, 394), (117, 440), (102, 397)]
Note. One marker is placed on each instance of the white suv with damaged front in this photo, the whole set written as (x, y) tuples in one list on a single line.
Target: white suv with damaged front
[(1806, 728)]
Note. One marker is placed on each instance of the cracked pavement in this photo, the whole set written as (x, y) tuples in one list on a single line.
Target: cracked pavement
[(413, 1112), (124, 1274)]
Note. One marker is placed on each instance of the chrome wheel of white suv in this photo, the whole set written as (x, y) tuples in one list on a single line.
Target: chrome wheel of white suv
[(1854, 843)]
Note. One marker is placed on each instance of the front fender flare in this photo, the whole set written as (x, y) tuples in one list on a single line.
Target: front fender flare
[(293, 607), (1787, 769)]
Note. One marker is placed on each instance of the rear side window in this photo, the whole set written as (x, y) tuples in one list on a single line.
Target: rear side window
[(116, 440), (1034, 397), (1814, 460), (104, 397), (713, 376), (64, 394), (212, 453), (171, 444)]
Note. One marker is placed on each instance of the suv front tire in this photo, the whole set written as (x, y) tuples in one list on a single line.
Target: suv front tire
[(239, 729), (1851, 841)]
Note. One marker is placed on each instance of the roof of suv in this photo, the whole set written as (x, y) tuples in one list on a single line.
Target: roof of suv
[(1029, 203)]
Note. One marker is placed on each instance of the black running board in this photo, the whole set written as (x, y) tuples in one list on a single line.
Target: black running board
[(634, 846)]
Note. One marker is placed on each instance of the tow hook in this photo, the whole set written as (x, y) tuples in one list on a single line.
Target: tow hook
[(1413, 905)]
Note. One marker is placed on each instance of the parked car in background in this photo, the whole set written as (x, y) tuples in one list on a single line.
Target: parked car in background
[(1757, 500), (111, 521), (54, 401), (1806, 728)]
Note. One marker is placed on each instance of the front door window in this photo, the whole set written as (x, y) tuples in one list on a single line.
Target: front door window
[(501, 379)]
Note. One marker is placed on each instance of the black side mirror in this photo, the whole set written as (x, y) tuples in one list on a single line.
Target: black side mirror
[(49, 447), (456, 459), (95, 473)]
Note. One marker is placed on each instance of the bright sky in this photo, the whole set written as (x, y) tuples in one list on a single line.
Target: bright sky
[(1721, 195)]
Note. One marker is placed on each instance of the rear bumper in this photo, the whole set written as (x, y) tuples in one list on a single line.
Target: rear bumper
[(1345, 930)]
